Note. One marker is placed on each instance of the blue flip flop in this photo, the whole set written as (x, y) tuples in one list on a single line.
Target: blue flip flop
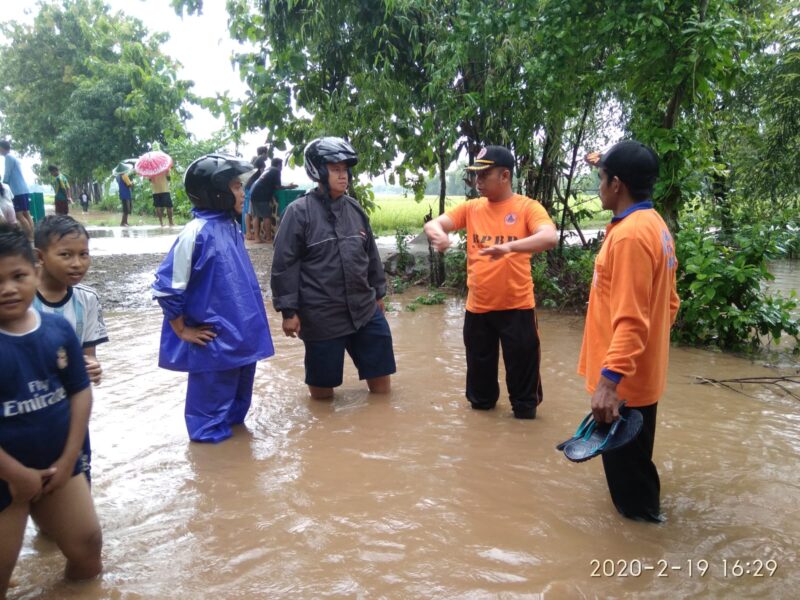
[(593, 438)]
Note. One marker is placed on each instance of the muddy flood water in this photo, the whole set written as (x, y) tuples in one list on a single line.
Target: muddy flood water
[(414, 495)]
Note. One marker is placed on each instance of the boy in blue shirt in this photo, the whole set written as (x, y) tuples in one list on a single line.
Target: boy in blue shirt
[(215, 325), (45, 401)]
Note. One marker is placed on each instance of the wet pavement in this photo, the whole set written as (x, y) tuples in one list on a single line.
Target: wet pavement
[(413, 495)]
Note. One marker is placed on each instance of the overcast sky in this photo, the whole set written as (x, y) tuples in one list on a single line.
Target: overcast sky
[(200, 43)]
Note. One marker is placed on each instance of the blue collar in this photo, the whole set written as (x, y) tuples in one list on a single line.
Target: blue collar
[(645, 204), (213, 215)]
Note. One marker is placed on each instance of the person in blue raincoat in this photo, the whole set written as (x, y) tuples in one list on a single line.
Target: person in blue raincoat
[(215, 325)]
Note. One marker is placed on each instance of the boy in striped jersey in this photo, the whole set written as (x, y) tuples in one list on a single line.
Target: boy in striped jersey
[(62, 247)]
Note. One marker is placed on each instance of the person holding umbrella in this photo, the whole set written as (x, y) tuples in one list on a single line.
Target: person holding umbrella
[(155, 165)]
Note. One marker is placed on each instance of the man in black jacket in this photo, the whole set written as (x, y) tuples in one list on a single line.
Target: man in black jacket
[(327, 278)]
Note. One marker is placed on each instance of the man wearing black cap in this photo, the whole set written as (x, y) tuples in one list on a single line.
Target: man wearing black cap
[(503, 230), (632, 306)]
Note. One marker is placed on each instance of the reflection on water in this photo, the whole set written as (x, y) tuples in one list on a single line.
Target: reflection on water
[(139, 239), (137, 231), (416, 496)]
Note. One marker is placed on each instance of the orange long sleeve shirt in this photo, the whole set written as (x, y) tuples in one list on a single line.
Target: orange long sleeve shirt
[(632, 306)]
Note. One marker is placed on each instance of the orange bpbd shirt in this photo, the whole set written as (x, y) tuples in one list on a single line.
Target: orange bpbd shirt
[(503, 284), (632, 306)]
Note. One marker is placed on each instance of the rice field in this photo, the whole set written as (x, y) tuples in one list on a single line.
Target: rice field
[(396, 211), (393, 212)]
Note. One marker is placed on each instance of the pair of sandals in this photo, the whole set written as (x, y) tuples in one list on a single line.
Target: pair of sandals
[(592, 438)]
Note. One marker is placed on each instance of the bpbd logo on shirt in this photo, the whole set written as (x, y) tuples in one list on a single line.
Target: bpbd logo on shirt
[(484, 241), (511, 219)]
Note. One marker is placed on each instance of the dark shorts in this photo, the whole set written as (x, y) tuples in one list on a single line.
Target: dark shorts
[(5, 492), (370, 348), (162, 200), (22, 203), (62, 207), (40, 450), (262, 210)]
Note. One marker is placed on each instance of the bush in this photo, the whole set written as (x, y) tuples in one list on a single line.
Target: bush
[(455, 265), (786, 228), (721, 285), (563, 280), (404, 259), (431, 299)]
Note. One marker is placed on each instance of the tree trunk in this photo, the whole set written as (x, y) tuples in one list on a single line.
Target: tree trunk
[(671, 200), (437, 258), (719, 190), (575, 146), (548, 173)]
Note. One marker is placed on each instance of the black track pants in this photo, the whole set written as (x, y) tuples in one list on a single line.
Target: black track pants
[(631, 474), (514, 331)]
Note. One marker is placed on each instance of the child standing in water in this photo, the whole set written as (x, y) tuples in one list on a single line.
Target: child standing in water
[(45, 401), (215, 325), (62, 247)]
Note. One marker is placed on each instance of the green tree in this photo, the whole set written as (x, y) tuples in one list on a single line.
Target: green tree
[(84, 87), (421, 82)]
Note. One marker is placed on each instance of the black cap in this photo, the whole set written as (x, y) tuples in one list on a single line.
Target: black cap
[(493, 156), (635, 164)]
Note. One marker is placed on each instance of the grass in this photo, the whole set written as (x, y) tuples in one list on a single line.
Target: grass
[(396, 211), (393, 212), (591, 203)]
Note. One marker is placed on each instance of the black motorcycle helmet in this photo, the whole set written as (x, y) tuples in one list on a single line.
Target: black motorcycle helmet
[(207, 180), (325, 150)]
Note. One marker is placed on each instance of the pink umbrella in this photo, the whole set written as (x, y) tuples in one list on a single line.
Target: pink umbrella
[(153, 163)]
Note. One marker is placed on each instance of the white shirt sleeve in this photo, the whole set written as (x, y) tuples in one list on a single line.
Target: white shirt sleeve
[(95, 327)]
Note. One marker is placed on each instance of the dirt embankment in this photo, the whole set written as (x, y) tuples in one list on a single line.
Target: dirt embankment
[(123, 280)]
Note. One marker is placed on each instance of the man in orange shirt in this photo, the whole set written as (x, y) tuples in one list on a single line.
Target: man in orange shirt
[(632, 306), (503, 230)]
